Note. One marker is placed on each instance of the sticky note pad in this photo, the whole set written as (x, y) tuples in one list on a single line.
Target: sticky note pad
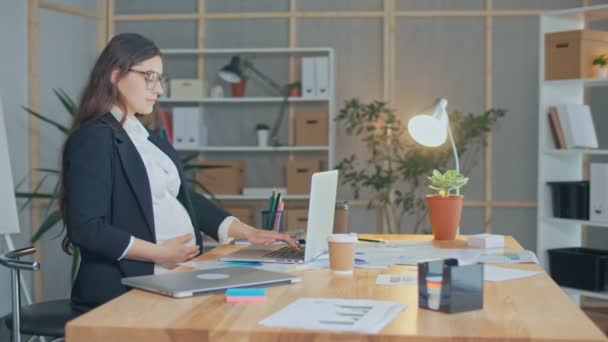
[(246, 292), (487, 241), (235, 299)]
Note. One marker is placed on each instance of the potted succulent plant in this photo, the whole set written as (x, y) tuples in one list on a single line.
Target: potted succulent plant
[(262, 133), (295, 89), (600, 63), (445, 209)]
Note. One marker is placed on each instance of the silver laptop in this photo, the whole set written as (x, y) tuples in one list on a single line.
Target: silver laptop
[(321, 208), (192, 283)]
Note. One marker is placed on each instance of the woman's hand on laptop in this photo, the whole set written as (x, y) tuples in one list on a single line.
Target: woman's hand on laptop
[(239, 230)]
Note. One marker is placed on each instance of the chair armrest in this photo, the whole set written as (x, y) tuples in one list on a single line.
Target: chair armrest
[(11, 260)]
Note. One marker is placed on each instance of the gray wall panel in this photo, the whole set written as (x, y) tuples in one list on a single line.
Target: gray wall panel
[(13, 90), (472, 221), (424, 71), (516, 89), (67, 53), (155, 6), (535, 4), (358, 69), (166, 34), (222, 6), (247, 33), (520, 223), (416, 5), (169, 35), (340, 5)]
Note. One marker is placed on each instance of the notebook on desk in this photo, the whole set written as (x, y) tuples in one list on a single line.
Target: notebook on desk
[(320, 225)]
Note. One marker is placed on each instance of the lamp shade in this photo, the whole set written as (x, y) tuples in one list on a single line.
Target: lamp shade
[(430, 130), (232, 72)]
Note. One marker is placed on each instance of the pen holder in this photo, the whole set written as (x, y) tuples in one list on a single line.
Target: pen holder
[(444, 286), (273, 220)]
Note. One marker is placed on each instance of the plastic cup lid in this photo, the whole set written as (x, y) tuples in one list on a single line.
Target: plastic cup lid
[(350, 238)]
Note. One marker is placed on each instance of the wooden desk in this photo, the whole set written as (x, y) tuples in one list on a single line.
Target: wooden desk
[(529, 309)]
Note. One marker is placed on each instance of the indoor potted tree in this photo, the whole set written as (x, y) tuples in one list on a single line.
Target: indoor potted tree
[(600, 66), (445, 209), (391, 171)]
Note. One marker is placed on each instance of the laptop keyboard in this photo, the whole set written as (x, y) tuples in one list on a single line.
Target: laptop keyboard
[(286, 253)]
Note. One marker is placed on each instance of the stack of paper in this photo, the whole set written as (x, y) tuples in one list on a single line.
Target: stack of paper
[(494, 273), (355, 315)]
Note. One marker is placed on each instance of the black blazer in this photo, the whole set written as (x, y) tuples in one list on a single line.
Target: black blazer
[(108, 200)]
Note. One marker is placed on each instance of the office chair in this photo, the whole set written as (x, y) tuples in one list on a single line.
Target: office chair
[(40, 319)]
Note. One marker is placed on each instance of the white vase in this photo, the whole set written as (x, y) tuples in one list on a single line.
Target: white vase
[(601, 72), (262, 137)]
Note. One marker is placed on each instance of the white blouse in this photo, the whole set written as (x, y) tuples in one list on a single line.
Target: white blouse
[(170, 217)]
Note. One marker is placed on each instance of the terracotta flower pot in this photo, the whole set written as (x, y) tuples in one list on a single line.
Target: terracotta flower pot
[(238, 89), (445, 213), (295, 92)]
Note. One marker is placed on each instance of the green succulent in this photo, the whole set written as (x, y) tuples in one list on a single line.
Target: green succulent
[(446, 182), (600, 60)]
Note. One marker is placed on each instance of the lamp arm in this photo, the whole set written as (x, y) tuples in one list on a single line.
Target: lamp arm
[(455, 154), (274, 85), (274, 137)]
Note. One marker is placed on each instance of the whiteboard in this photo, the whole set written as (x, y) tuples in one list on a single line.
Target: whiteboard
[(9, 220)]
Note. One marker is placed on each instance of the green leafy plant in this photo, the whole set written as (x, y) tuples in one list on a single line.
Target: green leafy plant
[(392, 172), (261, 126), (446, 182), (51, 214), (600, 60)]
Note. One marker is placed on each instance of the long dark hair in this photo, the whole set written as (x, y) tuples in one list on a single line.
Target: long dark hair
[(100, 94)]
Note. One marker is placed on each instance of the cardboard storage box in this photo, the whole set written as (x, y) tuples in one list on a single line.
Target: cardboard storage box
[(227, 179), (245, 215), (297, 219), (569, 54), (187, 88), (299, 175), (311, 129)]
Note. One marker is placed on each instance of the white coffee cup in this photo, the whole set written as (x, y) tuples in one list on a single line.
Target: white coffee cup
[(342, 252)]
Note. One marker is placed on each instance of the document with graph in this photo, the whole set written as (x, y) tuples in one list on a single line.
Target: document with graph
[(356, 315)]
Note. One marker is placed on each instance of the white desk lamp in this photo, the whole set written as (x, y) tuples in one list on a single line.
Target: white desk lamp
[(431, 129)]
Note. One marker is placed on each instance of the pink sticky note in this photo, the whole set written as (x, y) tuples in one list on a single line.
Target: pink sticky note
[(250, 299)]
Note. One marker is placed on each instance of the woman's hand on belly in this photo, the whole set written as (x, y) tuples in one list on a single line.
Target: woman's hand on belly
[(174, 251)]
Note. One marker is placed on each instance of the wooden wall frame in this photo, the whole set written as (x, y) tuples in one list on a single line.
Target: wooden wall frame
[(388, 15), (106, 18)]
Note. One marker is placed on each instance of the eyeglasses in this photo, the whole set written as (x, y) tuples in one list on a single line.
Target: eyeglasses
[(152, 78)]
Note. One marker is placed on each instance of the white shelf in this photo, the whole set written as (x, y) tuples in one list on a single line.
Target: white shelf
[(222, 100), (601, 294), (257, 197), (257, 149), (302, 50), (585, 13), (573, 221), (575, 152), (587, 82)]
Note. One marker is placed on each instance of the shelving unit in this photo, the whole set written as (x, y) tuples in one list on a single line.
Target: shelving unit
[(242, 104), (562, 165), (258, 149), (204, 100)]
